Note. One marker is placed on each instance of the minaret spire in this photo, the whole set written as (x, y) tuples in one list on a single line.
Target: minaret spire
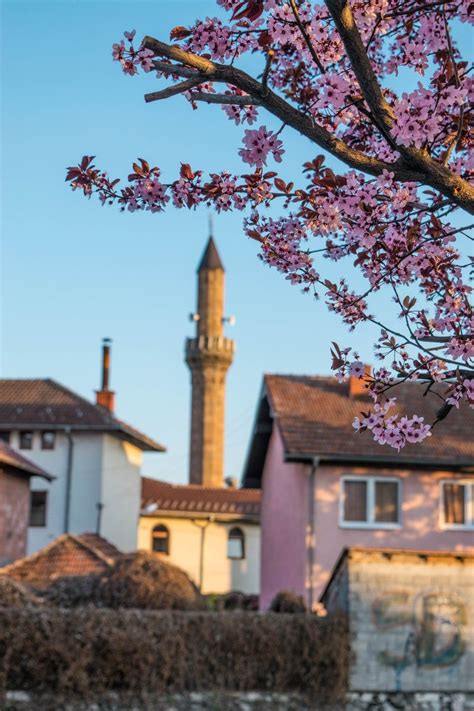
[(208, 356)]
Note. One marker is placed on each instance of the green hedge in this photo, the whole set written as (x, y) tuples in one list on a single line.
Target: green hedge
[(86, 651)]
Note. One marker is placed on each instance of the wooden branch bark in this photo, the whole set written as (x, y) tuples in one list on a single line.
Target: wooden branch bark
[(173, 90), (227, 99), (413, 165)]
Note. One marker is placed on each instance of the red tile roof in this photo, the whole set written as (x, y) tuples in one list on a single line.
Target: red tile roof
[(44, 403), (315, 415), (159, 496), (12, 459), (68, 555)]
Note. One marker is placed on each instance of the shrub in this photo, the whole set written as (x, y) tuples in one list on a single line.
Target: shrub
[(138, 580), (89, 651), (233, 600), (13, 594), (286, 601)]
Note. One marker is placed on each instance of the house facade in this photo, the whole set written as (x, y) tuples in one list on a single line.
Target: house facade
[(15, 474), (325, 487), (211, 533), (95, 459)]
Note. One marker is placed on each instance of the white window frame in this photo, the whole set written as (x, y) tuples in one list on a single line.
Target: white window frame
[(371, 523), (468, 505)]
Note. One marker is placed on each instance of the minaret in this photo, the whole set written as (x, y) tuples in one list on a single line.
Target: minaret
[(209, 356)]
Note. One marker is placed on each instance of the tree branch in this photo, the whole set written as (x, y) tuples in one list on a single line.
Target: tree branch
[(419, 167), (307, 40), (231, 99), (173, 90), (168, 69), (435, 174)]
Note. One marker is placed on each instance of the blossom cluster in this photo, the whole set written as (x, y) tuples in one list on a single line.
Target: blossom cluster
[(393, 232)]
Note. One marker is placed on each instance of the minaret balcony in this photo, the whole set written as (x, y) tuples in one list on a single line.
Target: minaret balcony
[(213, 346)]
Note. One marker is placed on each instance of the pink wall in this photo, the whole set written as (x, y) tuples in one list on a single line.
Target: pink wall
[(14, 513), (284, 517), (420, 508), (283, 520)]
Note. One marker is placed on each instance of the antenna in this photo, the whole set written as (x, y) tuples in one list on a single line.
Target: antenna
[(211, 226)]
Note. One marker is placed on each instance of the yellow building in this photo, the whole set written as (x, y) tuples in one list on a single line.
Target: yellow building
[(211, 533)]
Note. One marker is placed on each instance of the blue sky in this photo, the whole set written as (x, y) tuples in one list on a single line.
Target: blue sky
[(73, 272)]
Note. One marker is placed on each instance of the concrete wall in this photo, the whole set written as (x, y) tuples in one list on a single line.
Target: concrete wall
[(121, 488), (220, 573), (284, 515), (412, 622), (14, 512)]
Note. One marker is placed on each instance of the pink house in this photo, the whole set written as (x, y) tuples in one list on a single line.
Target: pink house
[(326, 487)]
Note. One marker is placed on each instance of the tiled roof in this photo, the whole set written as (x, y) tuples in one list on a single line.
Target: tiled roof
[(315, 415), (11, 458), (159, 496), (66, 556), (44, 403)]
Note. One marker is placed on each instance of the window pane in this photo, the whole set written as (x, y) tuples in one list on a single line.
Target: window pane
[(355, 501), (454, 503), (4, 436), (47, 440), (236, 543), (26, 440), (386, 502), (38, 503), (160, 539)]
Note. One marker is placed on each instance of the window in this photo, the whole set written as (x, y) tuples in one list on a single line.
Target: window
[(160, 541), (370, 503), (457, 504), (38, 508), (236, 544), (47, 440), (26, 440), (5, 436)]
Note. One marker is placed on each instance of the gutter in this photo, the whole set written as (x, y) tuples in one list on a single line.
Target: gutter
[(310, 535), (305, 458), (209, 520), (67, 504)]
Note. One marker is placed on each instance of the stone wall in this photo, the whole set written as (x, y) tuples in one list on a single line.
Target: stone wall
[(411, 619)]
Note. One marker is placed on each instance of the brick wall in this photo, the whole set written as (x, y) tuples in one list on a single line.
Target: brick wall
[(14, 513), (411, 619)]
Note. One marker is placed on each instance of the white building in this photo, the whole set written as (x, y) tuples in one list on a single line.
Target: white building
[(94, 457)]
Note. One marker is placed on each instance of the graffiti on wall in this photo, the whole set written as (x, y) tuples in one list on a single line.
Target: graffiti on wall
[(427, 629)]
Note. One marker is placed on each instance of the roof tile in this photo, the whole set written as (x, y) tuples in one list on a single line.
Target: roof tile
[(315, 416), (44, 403), (182, 497)]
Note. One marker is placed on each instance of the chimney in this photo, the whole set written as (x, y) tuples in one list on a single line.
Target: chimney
[(358, 385), (105, 397)]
